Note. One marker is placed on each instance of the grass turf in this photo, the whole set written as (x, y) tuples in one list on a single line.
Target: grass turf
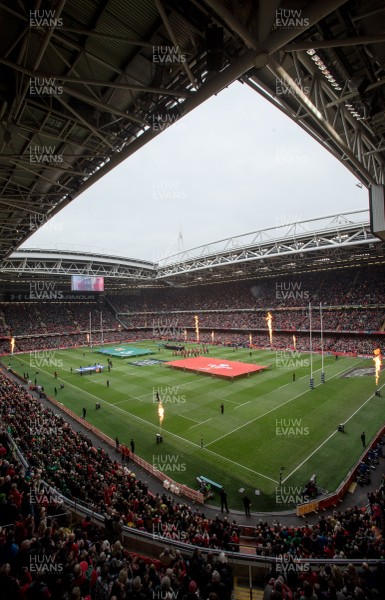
[(269, 420)]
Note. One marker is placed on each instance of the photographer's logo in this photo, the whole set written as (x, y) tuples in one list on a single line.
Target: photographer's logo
[(283, 88), (287, 564), (168, 531), (41, 359), (167, 55), (290, 290), (283, 220), (163, 190), (290, 428), (288, 496), (41, 495), (288, 18), (291, 155), (290, 359), (44, 290), (160, 122), (168, 463), (42, 426), (44, 564), (44, 18), (37, 220), (44, 86), (166, 328), (44, 155), (168, 395)]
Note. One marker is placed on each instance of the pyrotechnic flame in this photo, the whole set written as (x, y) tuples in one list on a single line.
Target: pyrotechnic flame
[(377, 364), (294, 342), (12, 345), (185, 335), (160, 412), (197, 327), (250, 339), (269, 320)]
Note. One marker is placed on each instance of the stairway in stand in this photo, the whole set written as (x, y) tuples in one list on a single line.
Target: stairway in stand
[(242, 590)]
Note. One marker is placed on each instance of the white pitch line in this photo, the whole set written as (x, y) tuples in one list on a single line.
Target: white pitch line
[(201, 423), (125, 400), (328, 438), (242, 466), (290, 383), (193, 420), (239, 405), (277, 407), (171, 387)]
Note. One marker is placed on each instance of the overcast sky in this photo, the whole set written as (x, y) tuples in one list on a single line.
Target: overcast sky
[(234, 165)]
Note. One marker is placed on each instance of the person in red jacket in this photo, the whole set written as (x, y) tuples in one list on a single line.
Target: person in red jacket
[(15, 495)]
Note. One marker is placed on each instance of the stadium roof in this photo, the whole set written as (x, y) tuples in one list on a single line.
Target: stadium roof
[(86, 84), (337, 241)]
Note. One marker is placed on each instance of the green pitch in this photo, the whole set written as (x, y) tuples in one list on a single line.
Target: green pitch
[(272, 427)]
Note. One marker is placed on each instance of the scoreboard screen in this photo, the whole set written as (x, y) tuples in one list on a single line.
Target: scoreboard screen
[(83, 283)]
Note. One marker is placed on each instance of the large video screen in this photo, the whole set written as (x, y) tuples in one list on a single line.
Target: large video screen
[(83, 283)]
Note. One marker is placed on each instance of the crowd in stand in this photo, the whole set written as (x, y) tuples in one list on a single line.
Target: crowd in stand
[(357, 344), (238, 309), (40, 557), (349, 287), (27, 318), (332, 320)]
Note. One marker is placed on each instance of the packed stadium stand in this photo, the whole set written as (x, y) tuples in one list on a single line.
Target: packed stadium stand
[(114, 96), (42, 555), (352, 305)]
